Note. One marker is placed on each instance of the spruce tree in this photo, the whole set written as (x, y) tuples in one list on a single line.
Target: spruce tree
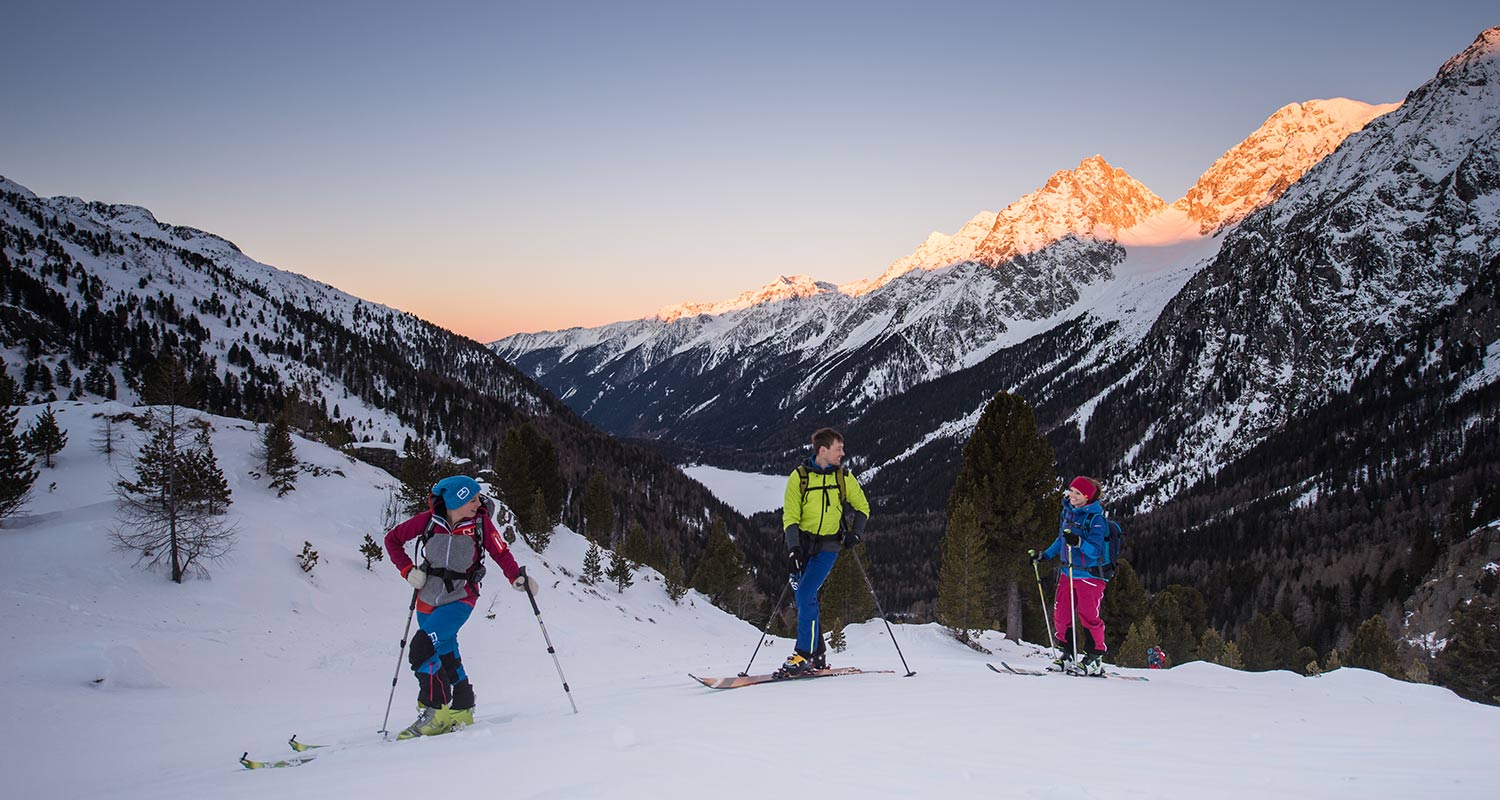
[(1008, 474), (598, 511), (16, 474), (1373, 648), (963, 580), (513, 474), (1470, 663), (593, 569), (45, 438), (720, 568), (279, 456), (619, 572)]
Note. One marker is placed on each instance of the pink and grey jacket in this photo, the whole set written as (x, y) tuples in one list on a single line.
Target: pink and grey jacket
[(395, 547)]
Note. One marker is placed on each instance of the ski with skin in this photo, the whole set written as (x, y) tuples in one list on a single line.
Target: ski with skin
[(1006, 669), (305, 752), (753, 680)]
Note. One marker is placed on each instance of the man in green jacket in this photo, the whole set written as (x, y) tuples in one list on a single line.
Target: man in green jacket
[(825, 511)]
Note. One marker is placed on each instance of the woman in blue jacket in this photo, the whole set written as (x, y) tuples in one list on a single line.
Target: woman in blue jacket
[(1081, 532)]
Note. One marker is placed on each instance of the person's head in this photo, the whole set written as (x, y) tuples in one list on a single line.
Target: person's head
[(459, 495), (1082, 491), (828, 447)]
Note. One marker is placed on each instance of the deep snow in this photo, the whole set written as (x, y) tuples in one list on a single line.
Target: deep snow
[(121, 684)]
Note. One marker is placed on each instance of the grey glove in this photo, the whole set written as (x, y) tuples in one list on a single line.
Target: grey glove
[(417, 578)]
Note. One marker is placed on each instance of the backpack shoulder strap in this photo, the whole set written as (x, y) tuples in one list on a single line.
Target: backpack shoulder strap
[(838, 478), (802, 479)]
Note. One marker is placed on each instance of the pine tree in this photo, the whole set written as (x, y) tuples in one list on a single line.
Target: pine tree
[(1333, 662), (593, 569), (104, 439), (372, 551), (308, 558), (540, 536), (1470, 663), (845, 597), (16, 474), (418, 472), (278, 456), (1373, 648), (720, 568), (44, 438), (1008, 474), (619, 571), (676, 579), (1174, 633), (964, 580), (1232, 657), (167, 517), (598, 511), (203, 482), (635, 546), (1126, 601), (1308, 656), (1210, 647), (1141, 637)]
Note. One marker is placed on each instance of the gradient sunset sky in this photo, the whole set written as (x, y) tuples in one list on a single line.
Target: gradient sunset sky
[(503, 166)]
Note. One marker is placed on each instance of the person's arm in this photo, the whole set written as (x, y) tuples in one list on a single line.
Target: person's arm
[(791, 512), (500, 552), (395, 542)]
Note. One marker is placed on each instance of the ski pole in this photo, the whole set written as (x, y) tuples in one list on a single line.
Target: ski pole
[(866, 576), (548, 639), (1046, 618), (1072, 603), (767, 631), (410, 612)]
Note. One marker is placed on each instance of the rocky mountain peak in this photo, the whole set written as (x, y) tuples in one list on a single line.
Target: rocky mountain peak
[(1259, 169), (783, 288)]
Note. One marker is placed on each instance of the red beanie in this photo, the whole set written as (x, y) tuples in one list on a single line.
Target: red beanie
[(1085, 487)]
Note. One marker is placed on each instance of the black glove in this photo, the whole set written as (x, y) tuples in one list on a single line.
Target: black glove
[(796, 561), (1036, 556), (1071, 538), (849, 538)]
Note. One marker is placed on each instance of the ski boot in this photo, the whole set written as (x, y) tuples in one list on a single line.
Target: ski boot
[(430, 722), (460, 713), (1091, 665), (796, 664)]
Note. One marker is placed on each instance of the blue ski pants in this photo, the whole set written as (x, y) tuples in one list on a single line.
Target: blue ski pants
[(442, 626), (809, 635)]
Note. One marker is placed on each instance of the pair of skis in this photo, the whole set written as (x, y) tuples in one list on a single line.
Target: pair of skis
[(305, 753), (752, 680), (1006, 669)]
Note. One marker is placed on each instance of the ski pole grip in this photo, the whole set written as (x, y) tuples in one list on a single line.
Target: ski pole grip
[(529, 595)]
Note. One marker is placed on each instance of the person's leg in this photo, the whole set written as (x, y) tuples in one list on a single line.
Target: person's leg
[(809, 634), (1090, 603)]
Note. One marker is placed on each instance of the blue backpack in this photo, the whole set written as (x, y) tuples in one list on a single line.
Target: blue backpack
[(1114, 543)]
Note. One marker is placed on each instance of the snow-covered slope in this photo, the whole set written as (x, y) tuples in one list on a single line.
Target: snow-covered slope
[(120, 684)]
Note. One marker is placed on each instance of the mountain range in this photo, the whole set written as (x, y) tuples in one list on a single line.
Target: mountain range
[(1286, 378)]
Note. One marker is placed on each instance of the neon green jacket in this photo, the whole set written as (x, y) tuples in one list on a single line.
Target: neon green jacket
[(819, 511)]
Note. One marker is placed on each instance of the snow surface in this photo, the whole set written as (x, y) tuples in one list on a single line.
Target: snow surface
[(120, 684), (745, 492)]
